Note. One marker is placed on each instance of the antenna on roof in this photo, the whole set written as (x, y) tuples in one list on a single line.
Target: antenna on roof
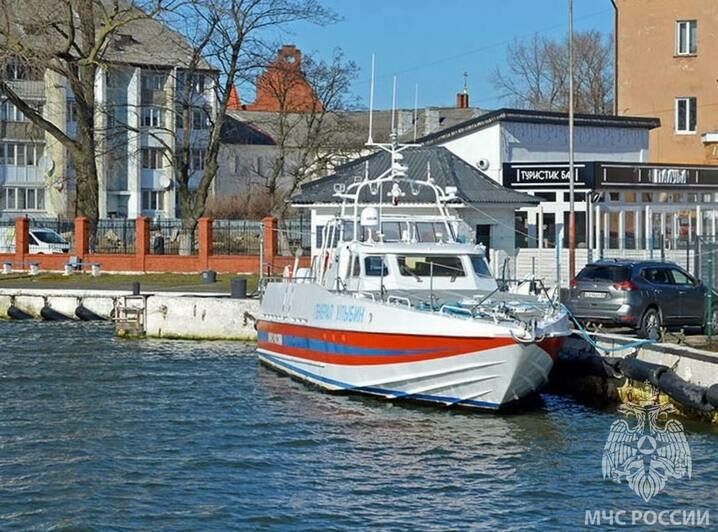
[(370, 140), (393, 106), (416, 107)]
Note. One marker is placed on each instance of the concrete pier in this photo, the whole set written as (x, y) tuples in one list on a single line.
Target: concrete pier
[(166, 314)]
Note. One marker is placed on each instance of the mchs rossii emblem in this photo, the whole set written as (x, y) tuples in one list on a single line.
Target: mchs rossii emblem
[(647, 454)]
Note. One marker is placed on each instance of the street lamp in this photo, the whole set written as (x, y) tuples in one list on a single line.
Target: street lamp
[(571, 177)]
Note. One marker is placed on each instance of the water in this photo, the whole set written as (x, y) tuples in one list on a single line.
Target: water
[(100, 433)]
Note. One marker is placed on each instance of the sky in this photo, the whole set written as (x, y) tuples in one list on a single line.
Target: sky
[(432, 43)]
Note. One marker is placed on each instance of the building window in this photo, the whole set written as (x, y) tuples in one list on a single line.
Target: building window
[(199, 119), (198, 156), (71, 111), (152, 82), (151, 116), (153, 200), (19, 154), (686, 33), (22, 198), (686, 115), (10, 113), (152, 158)]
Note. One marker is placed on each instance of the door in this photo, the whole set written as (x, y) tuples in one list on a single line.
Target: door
[(691, 297), (664, 293), (483, 236)]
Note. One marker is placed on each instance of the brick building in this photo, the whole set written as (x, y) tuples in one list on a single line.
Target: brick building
[(667, 55)]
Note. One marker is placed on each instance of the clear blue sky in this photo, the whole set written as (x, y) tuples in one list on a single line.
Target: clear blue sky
[(432, 42)]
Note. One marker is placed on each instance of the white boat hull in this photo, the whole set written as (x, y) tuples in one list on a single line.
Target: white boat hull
[(340, 343)]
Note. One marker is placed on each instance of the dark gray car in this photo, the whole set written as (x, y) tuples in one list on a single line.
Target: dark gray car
[(639, 294)]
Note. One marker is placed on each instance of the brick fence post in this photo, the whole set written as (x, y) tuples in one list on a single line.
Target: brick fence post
[(142, 242), (82, 237), (22, 240), (204, 228), (269, 234)]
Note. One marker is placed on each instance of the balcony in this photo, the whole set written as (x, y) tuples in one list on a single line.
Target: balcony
[(28, 88)]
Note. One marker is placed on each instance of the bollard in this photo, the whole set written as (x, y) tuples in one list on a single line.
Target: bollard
[(238, 287), (135, 289), (6, 268), (95, 270), (34, 268), (68, 269)]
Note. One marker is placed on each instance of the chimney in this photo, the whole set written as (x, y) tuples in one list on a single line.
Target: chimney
[(462, 98), (233, 103)]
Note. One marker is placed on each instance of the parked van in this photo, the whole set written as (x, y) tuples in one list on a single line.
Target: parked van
[(43, 241)]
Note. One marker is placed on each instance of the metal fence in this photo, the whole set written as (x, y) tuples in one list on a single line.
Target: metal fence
[(64, 228), (7, 236), (298, 232), (116, 235), (236, 237), (168, 238)]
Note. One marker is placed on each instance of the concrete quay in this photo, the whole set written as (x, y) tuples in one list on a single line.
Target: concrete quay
[(192, 316)]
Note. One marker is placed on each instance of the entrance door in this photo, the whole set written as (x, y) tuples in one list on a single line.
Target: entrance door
[(483, 236)]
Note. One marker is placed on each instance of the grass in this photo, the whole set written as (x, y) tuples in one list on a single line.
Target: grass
[(191, 282)]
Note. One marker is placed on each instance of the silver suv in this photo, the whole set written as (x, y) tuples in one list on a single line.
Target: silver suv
[(639, 294)]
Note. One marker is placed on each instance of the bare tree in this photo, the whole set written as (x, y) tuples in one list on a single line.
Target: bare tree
[(308, 140), (71, 40), (228, 34), (536, 73)]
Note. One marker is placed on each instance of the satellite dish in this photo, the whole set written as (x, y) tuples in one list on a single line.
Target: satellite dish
[(483, 164), (165, 182)]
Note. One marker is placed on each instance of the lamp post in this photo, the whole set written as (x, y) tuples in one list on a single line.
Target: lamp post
[(571, 171)]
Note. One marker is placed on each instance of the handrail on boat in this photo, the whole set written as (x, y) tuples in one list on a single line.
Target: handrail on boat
[(365, 295), (399, 300), (455, 310)]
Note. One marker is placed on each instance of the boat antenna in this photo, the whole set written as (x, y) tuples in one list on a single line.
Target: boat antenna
[(393, 107), (370, 140), (416, 108)]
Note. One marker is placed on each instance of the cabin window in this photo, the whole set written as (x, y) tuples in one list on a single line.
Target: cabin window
[(444, 266), (392, 231), (480, 267), (374, 266), (356, 267), (432, 232)]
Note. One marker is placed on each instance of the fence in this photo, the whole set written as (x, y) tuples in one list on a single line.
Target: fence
[(116, 235), (7, 236), (168, 238), (298, 233), (236, 237)]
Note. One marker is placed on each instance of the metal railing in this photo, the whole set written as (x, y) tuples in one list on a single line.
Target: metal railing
[(168, 238), (298, 232), (236, 237), (116, 235), (7, 236)]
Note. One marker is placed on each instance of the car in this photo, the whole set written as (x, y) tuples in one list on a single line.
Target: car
[(44, 241), (643, 295)]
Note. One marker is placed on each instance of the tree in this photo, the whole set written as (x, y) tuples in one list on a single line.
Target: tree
[(228, 34), (69, 40), (536, 73)]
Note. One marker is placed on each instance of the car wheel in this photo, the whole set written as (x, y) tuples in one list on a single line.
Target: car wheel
[(651, 325), (714, 322)]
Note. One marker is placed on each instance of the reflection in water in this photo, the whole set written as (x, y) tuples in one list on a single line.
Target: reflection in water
[(99, 432)]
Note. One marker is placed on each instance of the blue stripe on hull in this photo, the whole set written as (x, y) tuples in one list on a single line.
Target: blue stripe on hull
[(276, 361)]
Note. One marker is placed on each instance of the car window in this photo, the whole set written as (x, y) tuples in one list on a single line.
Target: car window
[(48, 237), (656, 276), (681, 278), (599, 272), (374, 266)]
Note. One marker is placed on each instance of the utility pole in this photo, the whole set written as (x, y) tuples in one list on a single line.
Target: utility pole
[(571, 170)]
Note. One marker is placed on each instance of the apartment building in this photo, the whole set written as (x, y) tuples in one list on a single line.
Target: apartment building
[(667, 57), (138, 123)]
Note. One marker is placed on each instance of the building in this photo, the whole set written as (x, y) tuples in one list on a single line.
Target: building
[(483, 204), (137, 125), (667, 52)]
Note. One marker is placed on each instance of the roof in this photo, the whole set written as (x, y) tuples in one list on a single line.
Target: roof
[(352, 127), (538, 117), (141, 40), (447, 169)]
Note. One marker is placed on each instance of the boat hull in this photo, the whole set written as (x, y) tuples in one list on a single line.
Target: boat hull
[(480, 372)]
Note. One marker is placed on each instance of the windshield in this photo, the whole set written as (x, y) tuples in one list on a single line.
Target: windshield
[(374, 266), (613, 274), (420, 265), (480, 267), (47, 236), (432, 232)]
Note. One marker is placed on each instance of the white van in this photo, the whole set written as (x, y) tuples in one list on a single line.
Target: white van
[(43, 241)]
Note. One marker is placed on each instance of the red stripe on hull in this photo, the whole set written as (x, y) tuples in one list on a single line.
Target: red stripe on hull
[(430, 347)]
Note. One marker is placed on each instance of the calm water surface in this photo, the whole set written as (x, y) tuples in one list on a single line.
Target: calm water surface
[(100, 433)]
